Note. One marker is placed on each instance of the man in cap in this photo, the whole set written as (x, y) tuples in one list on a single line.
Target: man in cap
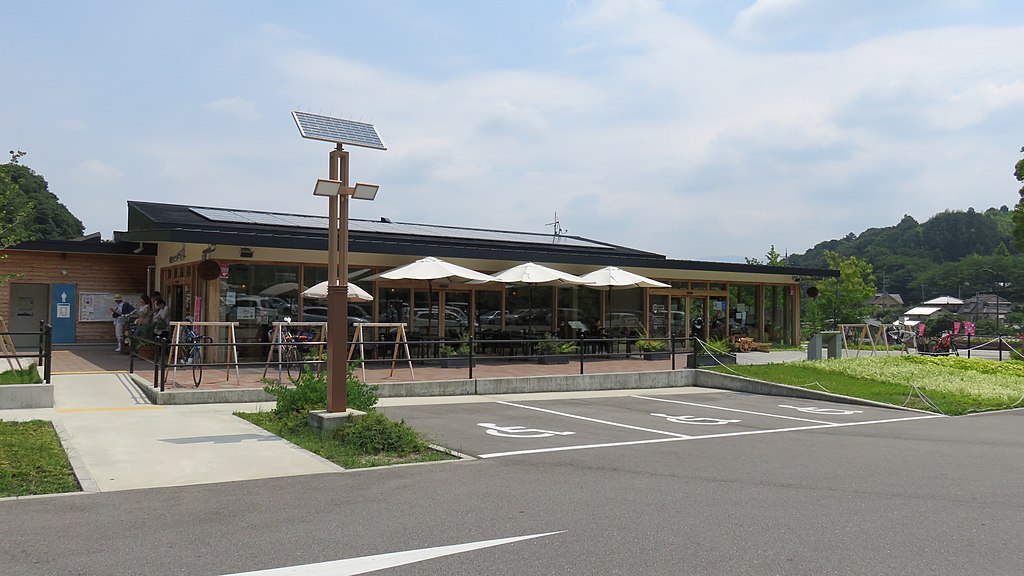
[(120, 311)]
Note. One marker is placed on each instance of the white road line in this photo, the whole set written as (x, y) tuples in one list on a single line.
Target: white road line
[(705, 437), (365, 564), (731, 409), (567, 415)]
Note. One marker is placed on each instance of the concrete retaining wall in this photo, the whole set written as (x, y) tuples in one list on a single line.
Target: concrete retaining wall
[(195, 396), (722, 381), (15, 396)]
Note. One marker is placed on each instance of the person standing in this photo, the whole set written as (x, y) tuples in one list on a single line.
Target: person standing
[(144, 318), (120, 311)]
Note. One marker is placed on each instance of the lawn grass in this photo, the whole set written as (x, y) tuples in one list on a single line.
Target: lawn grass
[(32, 460), (28, 375), (955, 386), (330, 446)]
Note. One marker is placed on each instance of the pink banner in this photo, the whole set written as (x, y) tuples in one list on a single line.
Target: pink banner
[(969, 328), (920, 329), (956, 328)]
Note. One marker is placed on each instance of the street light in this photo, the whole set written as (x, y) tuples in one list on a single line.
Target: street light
[(337, 190), (995, 286)]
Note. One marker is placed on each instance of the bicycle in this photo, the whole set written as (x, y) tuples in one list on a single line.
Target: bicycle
[(294, 349), (192, 352), (899, 335)]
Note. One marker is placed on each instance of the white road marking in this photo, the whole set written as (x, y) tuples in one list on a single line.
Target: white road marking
[(699, 420), (588, 419), (365, 564), (520, 431), (705, 437), (815, 410), (731, 409)]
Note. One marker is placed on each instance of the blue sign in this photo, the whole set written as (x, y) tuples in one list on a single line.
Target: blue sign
[(63, 312)]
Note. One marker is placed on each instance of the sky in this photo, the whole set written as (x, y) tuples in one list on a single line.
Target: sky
[(698, 129)]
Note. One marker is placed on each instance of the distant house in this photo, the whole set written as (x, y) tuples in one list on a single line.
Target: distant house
[(887, 301), (985, 306), (923, 313)]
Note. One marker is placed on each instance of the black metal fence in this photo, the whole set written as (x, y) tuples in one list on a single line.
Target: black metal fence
[(44, 353)]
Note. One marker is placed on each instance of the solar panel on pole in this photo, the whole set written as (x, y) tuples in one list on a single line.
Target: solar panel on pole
[(337, 130)]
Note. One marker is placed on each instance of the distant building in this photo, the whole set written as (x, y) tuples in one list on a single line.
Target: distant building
[(887, 301), (923, 313), (985, 306)]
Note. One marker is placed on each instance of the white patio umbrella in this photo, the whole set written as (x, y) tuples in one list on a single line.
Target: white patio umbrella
[(279, 289), (531, 274), (432, 269), (355, 293), (611, 277)]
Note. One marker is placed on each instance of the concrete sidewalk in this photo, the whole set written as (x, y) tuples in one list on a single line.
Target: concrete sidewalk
[(117, 440)]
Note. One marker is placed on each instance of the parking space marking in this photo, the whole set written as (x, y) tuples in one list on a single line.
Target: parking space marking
[(588, 419), (705, 437), (731, 409)]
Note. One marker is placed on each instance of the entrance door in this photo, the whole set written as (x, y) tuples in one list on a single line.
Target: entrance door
[(698, 318), (29, 306)]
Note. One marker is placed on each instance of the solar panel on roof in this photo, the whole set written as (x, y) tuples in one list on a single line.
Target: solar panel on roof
[(337, 130), (375, 227)]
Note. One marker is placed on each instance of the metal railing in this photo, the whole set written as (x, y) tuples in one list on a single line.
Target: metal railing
[(43, 355)]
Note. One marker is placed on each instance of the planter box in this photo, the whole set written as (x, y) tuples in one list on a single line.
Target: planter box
[(659, 355), (456, 362), (554, 359), (714, 359)]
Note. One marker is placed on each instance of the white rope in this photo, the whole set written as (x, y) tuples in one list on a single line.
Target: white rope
[(708, 350)]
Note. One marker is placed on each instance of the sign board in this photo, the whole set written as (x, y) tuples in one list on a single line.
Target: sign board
[(95, 306)]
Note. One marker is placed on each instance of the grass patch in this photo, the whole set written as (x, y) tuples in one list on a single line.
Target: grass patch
[(956, 385), (32, 460), (366, 441), (28, 375)]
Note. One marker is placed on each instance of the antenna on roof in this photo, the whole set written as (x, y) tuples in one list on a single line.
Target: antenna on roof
[(556, 226)]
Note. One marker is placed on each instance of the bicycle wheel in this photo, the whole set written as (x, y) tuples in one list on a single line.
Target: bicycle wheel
[(291, 362), (197, 364)]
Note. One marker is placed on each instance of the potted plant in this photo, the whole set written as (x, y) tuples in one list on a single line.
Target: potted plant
[(456, 354), (554, 351), (650, 348), (714, 352)]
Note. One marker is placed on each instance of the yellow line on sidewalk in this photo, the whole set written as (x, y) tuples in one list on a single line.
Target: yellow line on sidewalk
[(93, 372), (111, 409)]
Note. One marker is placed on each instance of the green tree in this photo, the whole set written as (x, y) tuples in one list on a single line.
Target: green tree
[(49, 219), (12, 219), (1018, 210), (842, 300), (773, 258)]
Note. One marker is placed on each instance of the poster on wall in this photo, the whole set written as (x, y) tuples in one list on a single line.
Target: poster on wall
[(95, 306)]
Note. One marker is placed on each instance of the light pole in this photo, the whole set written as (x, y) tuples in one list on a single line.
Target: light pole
[(995, 288), (337, 190)]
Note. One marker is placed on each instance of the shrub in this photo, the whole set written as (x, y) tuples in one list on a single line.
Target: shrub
[(376, 433), (717, 345), (310, 393)]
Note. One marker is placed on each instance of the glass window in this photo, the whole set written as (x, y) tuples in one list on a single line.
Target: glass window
[(624, 312), (489, 313), (743, 319), (529, 309), (255, 295)]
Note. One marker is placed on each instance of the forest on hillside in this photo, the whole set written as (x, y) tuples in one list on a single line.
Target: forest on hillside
[(955, 253)]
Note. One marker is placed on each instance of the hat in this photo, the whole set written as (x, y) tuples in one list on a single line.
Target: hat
[(117, 296)]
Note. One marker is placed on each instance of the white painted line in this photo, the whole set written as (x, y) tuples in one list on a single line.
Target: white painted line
[(365, 564), (585, 446), (588, 419), (706, 437), (731, 409)]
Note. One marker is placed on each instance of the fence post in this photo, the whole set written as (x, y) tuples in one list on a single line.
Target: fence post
[(579, 348), (42, 341), (48, 342), (161, 361), (672, 346), (131, 353), (471, 361)]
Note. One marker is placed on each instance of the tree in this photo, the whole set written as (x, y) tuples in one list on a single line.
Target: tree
[(773, 256), (842, 300), (12, 220), (49, 220), (1018, 210)]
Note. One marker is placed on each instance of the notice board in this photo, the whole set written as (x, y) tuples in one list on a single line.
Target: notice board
[(95, 306)]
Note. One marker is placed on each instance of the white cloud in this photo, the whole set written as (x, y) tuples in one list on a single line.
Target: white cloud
[(93, 171), (234, 106)]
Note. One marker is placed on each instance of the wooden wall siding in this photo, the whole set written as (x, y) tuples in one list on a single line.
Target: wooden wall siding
[(89, 272)]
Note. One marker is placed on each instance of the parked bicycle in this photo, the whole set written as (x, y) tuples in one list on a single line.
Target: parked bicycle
[(900, 335), (295, 349), (192, 351)]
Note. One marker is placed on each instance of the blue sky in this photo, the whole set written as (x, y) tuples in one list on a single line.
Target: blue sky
[(702, 129)]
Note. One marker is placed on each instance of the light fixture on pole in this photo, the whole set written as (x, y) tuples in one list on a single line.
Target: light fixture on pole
[(337, 190)]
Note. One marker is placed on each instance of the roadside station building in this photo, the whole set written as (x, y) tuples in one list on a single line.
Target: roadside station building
[(250, 267)]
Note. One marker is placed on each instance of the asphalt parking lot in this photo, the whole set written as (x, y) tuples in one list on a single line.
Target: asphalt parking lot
[(517, 426)]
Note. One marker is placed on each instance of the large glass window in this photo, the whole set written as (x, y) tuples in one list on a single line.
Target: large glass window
[(255, 295), (529, 309), (624, 312), (489, 313), (743, 320), (576, 305), (777, 311)]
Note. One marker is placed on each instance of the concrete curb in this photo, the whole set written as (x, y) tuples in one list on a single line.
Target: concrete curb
[(82, 473), (721, 381), (185, 396), (18, 396)]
